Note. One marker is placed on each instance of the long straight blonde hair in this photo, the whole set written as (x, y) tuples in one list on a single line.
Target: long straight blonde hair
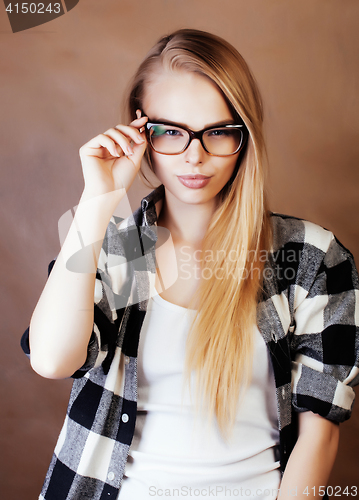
[(219, 346)]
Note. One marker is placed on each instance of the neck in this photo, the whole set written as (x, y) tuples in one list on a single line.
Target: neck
[(186, 223)]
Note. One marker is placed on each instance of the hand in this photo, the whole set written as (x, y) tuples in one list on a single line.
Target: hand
[(110, 161)]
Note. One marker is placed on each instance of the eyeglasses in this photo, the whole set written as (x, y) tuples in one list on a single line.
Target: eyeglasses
[(171, 139)]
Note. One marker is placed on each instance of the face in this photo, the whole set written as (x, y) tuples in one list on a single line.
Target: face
[(194, 101)]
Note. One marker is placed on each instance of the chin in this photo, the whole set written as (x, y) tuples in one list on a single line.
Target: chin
[(193, 196)]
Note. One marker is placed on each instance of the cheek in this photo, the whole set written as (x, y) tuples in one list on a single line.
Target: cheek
[(161, 164), (155, 163), (164, 166), (232, 167)]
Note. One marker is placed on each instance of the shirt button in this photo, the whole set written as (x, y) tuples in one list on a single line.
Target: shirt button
[(283, 392), (111, 476), (127, 360), (125, 418)]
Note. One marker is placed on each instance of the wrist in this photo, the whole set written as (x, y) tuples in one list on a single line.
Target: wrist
[(106, 199)]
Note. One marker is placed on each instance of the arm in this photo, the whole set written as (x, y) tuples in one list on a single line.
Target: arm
[(325, 359), (312, 458), (62, 322)]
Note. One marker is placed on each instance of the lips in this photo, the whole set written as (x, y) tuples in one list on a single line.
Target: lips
[(194, 176), (194, 181)]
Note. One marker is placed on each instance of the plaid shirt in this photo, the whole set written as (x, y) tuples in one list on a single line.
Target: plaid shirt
[(308, 316)]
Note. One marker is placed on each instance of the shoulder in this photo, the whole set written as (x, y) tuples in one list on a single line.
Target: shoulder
[(293, 231), (307, 237), (303, 253)]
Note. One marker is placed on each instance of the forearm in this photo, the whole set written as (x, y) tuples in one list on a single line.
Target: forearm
[(312, 458), (62, 321)]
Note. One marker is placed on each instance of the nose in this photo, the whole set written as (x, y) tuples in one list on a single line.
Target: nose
[(195, 153)]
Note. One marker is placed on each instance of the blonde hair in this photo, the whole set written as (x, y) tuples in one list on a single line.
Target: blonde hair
[(220, 343)]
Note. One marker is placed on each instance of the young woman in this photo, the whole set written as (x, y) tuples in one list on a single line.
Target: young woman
[(220, 355)]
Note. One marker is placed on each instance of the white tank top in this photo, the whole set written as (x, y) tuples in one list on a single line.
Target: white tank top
[(174, 454)]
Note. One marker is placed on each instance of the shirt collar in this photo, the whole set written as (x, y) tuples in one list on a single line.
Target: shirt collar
[(151, 206)]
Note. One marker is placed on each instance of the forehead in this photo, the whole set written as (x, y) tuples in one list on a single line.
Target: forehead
[(185, 97)]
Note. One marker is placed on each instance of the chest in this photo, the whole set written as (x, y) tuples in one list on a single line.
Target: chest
[(178, 273)]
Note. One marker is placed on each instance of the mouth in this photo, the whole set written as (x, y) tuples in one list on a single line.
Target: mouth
[(194, 176), (194, 181)]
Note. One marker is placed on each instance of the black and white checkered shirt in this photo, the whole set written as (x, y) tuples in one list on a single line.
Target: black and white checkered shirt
[(308, 317)]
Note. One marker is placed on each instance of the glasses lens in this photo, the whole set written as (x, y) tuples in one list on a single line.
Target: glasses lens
[(222, 141), (168, 139)]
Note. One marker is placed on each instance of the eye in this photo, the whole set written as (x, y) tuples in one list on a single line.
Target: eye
[(157, 130), (220, 132), (165, 131), (173, 132)]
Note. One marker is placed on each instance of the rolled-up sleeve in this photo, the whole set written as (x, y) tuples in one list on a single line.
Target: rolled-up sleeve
[(110, 299), (325, 340), (112, 290)]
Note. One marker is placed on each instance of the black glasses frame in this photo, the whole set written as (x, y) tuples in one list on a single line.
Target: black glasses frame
[(196, 135)]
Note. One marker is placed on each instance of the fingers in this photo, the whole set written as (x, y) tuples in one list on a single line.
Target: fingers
[(119, 140), (116, 140), (125, 133), (139, 123), (99, 146)]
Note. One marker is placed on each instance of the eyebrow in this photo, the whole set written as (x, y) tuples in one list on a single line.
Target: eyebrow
[(229, 121)]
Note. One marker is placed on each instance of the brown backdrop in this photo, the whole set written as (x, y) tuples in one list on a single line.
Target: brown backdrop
[(62, 84)]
